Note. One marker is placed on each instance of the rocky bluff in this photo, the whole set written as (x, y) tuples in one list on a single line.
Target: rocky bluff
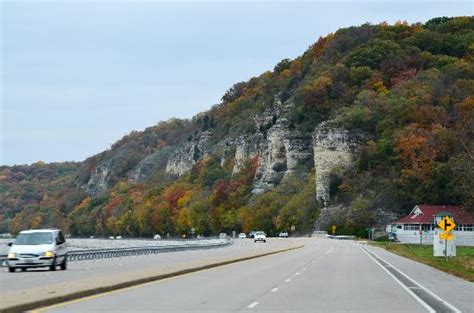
[(281, 151)]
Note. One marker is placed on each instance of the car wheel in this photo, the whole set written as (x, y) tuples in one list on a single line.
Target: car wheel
[(53, 266), (64, 264), (255, 241), (23, 269), (11, 269), (264, 241)]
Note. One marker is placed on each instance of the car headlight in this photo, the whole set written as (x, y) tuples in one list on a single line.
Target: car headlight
[(11, 255), (49, 254)]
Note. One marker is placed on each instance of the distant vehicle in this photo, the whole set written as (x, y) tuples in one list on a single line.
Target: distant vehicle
[(222, 235), (118, 237), (199, 236), (242, 235), (252, 234), (91, 237), (111, 237), (157, 236), (260, 236), (38, 248), (283, 234)]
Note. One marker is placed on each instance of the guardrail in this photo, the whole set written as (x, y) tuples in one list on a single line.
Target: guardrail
[(93, 254)]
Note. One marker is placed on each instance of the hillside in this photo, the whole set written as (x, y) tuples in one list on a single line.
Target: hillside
[(369, 121)]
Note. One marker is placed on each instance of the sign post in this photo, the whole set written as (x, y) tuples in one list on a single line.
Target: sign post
[(447, 225), (421, 236), (393, 233)]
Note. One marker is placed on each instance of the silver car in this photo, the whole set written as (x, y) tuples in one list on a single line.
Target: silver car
[(38, 248)]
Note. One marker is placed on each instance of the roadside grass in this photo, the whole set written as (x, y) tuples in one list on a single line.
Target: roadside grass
[(462, 265)]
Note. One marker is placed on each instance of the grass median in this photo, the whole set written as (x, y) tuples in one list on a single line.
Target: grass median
[(462, 265)]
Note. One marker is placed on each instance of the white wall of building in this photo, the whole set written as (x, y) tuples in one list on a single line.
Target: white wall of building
[(461, 238)]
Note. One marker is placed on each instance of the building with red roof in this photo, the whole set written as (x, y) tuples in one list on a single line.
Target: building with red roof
[(419, 225)]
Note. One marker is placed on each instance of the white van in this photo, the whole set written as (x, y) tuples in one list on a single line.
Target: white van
[(38, 248)]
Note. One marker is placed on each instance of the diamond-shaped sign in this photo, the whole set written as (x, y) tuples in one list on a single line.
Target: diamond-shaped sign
[(446, 224)]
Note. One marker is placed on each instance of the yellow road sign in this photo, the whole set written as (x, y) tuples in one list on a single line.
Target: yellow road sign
[(446, 236), (333, 229), (446, 224)]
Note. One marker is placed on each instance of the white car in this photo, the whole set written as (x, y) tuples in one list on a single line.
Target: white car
[(38, 248), (242, 236), (260, 236)]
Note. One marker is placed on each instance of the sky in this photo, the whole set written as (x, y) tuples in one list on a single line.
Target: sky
[(76, 76)]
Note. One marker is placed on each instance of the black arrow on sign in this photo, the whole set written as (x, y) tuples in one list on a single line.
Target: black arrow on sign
[(446, 225)]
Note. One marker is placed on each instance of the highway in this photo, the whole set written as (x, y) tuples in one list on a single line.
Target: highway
[(324, 276), (41, 284)]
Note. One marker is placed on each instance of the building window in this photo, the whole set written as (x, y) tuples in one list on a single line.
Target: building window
[(458, 227), (427, 227), (468, 227), (411, 226)]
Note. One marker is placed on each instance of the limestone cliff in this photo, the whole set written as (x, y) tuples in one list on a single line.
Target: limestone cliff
[(334, 148), (284, 152), (98, 182), (183, 158)]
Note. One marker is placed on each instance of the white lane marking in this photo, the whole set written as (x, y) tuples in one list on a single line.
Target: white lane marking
[(252, 305), (313, 262), (330, 250), (304, 268), (297, 273), (288, 280), (413, 281), (411, 293), (274, 289)]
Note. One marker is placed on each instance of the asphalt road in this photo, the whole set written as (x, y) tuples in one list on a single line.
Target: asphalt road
[(39, 284), (324, 276)]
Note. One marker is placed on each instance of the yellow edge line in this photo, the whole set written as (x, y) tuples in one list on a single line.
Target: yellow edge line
[(70, 302)]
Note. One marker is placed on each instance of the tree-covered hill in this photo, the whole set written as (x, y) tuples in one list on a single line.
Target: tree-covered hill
[(403, 93)]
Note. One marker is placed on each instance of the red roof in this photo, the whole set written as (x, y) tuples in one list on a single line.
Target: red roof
[(424, 214)]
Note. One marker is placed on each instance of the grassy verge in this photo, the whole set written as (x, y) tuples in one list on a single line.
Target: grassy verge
[(462, 265)]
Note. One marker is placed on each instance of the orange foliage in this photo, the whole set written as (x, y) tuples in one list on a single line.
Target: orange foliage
[(417, 151)]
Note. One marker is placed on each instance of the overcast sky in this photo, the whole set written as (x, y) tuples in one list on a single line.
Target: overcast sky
[(77, 76)]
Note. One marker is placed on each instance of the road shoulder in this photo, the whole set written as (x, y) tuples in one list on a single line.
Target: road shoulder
[(455, 290)]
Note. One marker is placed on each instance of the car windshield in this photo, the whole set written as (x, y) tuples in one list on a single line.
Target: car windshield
[(34, 239), (260, 233)]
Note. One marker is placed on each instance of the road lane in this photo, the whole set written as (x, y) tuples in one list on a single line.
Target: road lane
[(334, 276), (33, 285)]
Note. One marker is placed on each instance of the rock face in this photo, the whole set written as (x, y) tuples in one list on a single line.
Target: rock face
[(152, 163), (333, 148), (183, 159), (98, 182), (282, 153), (247, 148)]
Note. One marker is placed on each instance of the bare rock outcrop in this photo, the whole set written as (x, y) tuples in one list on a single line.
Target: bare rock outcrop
[(98, 181), (334, 147), (183, 159)]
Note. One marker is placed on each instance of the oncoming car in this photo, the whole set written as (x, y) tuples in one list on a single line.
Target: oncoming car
[(260, 236), (283, 234), (38, 248), (242, 236)]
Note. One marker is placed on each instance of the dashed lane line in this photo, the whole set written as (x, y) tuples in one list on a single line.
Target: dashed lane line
[(252, 305)]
